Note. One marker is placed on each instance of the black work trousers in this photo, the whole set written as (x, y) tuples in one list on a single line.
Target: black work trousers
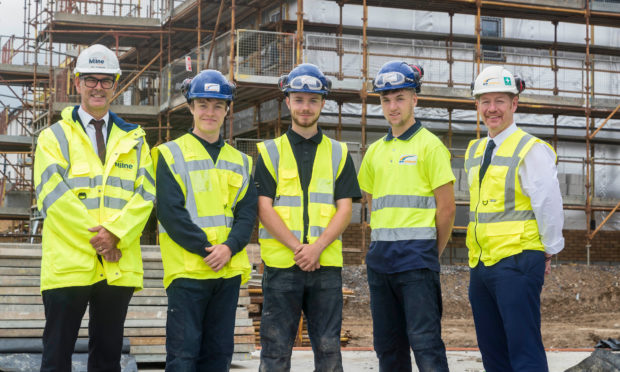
[(64, 309)]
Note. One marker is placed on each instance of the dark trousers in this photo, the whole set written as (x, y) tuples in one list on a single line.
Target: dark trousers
[(505, 301), (64, 309), (406, 312), (286, 292), (200, 329)]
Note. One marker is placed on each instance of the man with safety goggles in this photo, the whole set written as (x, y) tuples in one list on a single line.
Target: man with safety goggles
[(306, 182), (407, 180)]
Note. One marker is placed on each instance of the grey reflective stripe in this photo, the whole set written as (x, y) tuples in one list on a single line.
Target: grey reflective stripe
[(162, 230), (47, 175), (320, 197), (88, 182), (490, 217), (509, 198), (274, 155), (63, 143), (471, 161), (145, 194), (287, 201), (90, 203), (138, 148), (245, 173), (181, 169), (403, 201), (126, 185), (316, 231), (336, 158), (403, 233), (193, 165), (54, 195), (213, 221), (114, 203), (264, 234), (234, 167), (147, 175)]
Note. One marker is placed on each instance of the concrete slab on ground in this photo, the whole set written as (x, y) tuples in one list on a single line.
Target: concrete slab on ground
[(362, 361)]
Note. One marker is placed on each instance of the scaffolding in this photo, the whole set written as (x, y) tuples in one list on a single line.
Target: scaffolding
[(162, 42)]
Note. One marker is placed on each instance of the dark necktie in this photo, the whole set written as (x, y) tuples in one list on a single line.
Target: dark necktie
[(99, 135), (487, 158)]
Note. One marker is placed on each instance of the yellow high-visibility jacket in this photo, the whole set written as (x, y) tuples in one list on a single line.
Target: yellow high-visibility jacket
[(211, 192), (76, 192), (501, 219), (279, 160)]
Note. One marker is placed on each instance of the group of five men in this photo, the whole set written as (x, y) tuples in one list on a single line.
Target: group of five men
[(96, 184)]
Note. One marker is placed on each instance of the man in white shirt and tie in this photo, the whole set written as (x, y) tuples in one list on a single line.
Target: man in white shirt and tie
[(515, 227)]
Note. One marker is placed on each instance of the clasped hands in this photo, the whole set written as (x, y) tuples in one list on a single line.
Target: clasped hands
[(307, 256), (105, 244)]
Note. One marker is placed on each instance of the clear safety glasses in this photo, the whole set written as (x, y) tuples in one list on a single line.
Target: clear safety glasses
[(392, 77), (310, 82)]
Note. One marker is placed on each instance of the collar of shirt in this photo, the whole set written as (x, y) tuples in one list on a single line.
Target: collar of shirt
[(408, 133), (296, 139), (85, 117), (219, 143), (501, 137)]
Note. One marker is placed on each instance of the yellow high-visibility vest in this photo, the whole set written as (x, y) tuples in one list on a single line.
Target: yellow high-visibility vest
[(501, 219), (211, 192), (76, 192), (288, 203)]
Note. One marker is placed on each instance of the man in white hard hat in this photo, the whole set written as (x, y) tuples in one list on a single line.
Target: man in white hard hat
[(515, 227), (94, 185)]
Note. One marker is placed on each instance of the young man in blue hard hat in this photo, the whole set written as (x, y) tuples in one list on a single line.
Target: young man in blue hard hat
[(407, 179), (306, 183), (94, 183), (206, 208), (514, 229)]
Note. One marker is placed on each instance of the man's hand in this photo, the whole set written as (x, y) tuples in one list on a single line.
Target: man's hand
[(219, 255), (105, 243), (548, 263), (307, 256), (114, 255)]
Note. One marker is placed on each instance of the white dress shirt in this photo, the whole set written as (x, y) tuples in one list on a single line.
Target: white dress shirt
[(85, 117), (538, 175)]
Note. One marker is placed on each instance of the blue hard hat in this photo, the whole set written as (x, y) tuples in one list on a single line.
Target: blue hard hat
[(305, 78), (398, 75), (208, 84)]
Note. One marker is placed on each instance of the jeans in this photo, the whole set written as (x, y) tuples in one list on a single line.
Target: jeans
[(286, 292), (406, 312), (64, 310), (200, 328), (505, 301)]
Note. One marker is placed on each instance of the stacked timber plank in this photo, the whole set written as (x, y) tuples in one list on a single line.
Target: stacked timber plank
[(255, 304), (22, 314)]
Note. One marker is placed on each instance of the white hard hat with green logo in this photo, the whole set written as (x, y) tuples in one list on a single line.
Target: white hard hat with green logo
[(496, 79)]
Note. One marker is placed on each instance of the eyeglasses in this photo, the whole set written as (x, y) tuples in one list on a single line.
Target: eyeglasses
[(91, 82), (310, 82), (393, 78)]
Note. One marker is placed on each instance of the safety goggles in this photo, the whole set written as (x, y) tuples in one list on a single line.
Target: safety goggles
[(393, 78), (91, 82), (310, 82)]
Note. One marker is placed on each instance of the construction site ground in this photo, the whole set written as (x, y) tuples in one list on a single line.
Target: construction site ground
[(580, 305)]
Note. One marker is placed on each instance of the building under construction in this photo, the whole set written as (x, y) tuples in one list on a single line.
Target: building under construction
[(568, 52)]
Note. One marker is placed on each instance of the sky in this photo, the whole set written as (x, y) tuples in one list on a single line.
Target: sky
[(11, 23)]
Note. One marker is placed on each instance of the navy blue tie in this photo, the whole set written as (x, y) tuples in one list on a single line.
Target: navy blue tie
[(487, 158)]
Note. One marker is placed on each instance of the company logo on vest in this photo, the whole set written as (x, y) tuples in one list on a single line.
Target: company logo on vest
[(408, 160)]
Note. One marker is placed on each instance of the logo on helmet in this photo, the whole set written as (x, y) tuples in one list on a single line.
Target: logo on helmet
[(507, 81), (211, 87), (490, 82), (96, 61)]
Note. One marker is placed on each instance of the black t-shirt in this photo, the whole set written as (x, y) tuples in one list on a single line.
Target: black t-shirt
[(304, 151)]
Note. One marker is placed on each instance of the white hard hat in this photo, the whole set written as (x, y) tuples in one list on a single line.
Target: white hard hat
[(97, 59), (496, 79)]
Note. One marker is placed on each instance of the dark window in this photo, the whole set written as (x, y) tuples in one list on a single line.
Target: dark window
[(491, 26)]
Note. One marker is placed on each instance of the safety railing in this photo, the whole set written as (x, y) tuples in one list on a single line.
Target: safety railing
[(264, 53), (121, 8)]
